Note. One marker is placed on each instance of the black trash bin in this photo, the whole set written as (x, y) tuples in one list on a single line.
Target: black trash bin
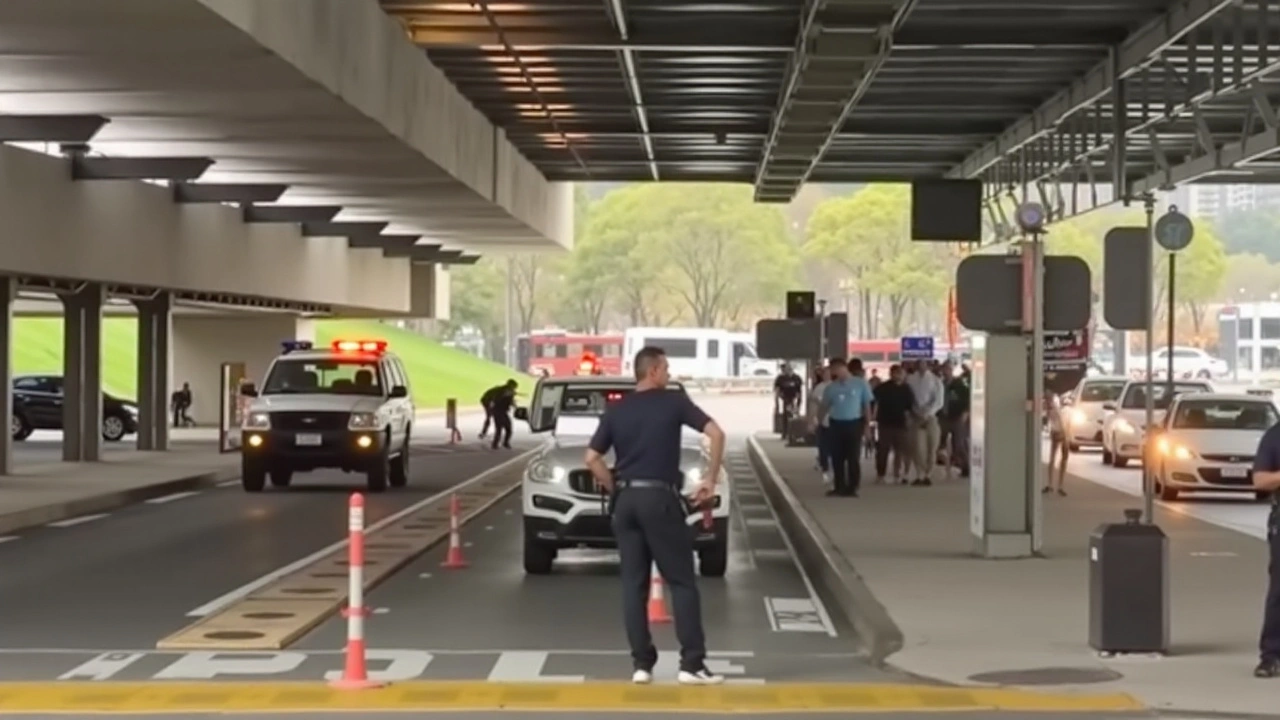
[(1129, 587)]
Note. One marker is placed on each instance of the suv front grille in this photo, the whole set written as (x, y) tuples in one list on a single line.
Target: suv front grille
[(582, 481), (302, 421)]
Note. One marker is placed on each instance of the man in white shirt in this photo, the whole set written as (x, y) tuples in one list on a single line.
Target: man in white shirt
[(821, 425), (927, 391)]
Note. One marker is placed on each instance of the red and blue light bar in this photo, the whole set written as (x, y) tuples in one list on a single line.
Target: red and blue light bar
[(360, 346)]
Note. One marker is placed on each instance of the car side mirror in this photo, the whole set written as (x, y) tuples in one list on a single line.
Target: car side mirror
[(1109, 406), (522, 414), (249, 390), (399, 391)]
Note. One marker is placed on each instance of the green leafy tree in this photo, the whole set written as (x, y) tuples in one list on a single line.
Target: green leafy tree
[(868, 235), (618, 230), (1250, 231), (727, 254), (476, 297), (1249, 277)]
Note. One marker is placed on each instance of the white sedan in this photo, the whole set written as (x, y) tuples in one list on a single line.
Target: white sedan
[(1124, 426), (1208, 442)]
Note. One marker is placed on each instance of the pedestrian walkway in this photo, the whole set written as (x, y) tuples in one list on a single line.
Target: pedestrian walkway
[(1024, 623)]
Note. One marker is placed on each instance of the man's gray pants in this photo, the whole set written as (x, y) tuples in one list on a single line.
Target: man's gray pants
[(650, 526)]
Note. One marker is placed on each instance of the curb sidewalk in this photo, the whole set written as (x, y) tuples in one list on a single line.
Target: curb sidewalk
[(111, 500), (831, 571)]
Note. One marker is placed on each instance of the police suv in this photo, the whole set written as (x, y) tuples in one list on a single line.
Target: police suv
[(563, 507), (346, 407)]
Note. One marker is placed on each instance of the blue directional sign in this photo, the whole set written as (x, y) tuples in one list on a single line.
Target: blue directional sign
[(917, 347)]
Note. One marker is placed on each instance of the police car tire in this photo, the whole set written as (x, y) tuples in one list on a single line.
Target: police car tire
[(376, 478), (400, 467), (538, 558), (714, 559), (281, 478)]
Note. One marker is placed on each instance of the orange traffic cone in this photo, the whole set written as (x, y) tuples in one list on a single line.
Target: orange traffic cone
[(658, 614), (454, 560)]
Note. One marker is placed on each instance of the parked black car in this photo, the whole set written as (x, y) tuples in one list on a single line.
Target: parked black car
[(37, 405)]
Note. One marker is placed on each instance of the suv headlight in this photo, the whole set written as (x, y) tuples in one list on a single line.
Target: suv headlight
[(258, 421), (363, 421), (692, 479), (544, 472)]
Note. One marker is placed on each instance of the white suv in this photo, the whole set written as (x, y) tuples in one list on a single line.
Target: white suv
[(346, 407), (563, 508)]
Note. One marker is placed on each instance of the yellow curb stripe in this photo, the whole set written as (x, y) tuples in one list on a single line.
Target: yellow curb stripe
[(604, 697)]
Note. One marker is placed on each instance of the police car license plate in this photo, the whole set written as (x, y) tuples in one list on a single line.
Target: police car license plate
[(309, 440), (1235, 472)]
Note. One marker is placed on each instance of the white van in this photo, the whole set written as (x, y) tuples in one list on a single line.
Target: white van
[(698, 352)]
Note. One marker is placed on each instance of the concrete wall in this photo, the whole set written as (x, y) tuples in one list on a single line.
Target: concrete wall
[(430, 292), (201, 344), (128, 232), (364, 57)]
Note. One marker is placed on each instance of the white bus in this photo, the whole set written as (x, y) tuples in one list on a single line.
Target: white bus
[(699, 352)]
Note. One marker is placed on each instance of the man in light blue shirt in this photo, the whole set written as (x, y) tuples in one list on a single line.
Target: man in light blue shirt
[(846, 405)]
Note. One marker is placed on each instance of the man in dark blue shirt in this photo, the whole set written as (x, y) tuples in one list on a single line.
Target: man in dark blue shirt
[(1266, 478), (649, 514)]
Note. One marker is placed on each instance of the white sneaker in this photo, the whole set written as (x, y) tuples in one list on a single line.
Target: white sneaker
[(702, 676), (642, 677), (826, 479)]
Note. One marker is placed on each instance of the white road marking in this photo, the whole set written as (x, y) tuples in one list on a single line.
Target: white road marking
[(78, 521), (9, 538), (762, 522), (249, 588), (170, 498), (821, 609), (381, 611), (424, 576), (793, 615), (229, 483)]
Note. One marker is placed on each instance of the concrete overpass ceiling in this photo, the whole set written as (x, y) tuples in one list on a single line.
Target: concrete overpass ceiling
[(774, 92), (178, 78), (1188, 97)]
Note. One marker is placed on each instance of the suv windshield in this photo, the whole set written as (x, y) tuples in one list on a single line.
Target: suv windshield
[(1097, 392), (1136, 397), (324, 377), (592, 400), (1225, 415)]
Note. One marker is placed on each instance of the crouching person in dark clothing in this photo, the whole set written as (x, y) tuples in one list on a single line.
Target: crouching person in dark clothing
[(649, 514)]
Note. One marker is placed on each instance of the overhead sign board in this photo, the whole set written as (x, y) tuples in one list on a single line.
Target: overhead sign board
[(917, 347)]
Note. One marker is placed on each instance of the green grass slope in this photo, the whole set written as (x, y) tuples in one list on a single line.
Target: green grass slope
[(437, 372)]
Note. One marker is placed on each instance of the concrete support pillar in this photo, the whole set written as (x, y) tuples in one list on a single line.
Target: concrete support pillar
[(82, 375), (202, 343), (154, 316), (8, 291), (429, 291), (1004, 511)]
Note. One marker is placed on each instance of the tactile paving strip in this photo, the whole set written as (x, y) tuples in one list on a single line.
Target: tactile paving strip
[(457, 697), (278, 614)]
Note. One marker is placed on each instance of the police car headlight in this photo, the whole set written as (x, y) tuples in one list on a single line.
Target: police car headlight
[(544, 472), (258, 421), (363, 421)]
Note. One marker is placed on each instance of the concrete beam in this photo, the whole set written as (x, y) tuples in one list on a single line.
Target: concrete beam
[(103, 168), (226, 193), (50, 128), (290, 213), (408, 251), (342, 229), (382, 241), (1136, 52)]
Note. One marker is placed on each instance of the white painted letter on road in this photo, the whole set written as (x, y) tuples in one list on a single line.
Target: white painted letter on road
[(102, 667), (209, 665), (402, 665), (526, 667)]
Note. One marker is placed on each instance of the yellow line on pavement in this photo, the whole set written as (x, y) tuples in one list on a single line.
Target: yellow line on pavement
[(210, 697)]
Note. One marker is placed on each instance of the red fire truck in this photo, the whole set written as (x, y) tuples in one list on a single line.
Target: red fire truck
[(557, 353)]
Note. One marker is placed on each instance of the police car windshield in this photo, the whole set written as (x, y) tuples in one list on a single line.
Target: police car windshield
[(1136, 397), (591, 401), (324, 377), (1225, 415)]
